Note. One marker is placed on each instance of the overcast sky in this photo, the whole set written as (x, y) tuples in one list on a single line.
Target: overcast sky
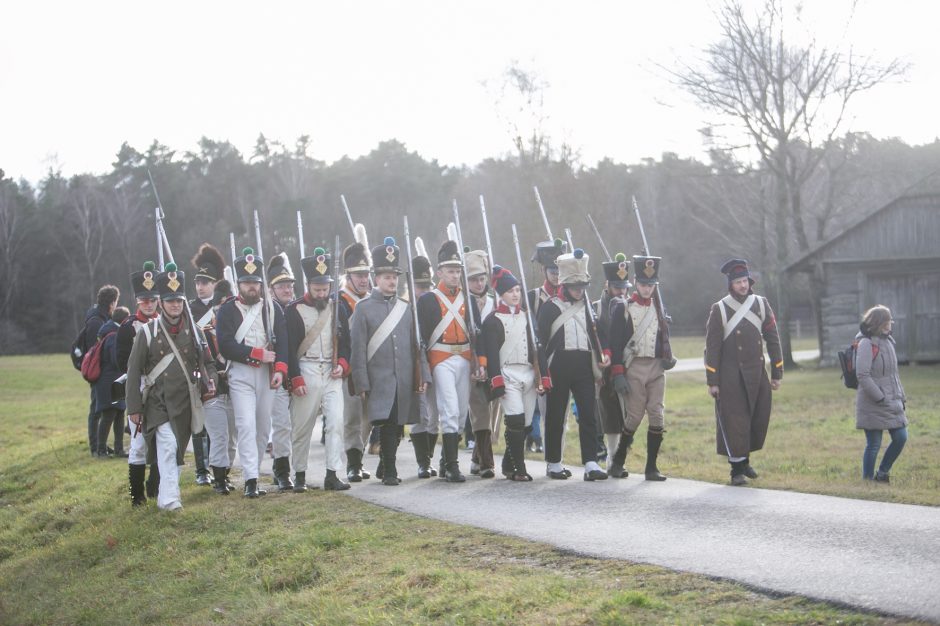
[(77, 78)]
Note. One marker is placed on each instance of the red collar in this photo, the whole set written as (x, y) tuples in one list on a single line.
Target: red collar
[(502, 307), (143, 318), (551, 289), (636, 297)]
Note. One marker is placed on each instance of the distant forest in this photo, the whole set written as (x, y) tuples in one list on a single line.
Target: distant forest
[(66, 236)]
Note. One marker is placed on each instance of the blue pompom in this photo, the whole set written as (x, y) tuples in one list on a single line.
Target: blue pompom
[(578, 253), (389, 241)]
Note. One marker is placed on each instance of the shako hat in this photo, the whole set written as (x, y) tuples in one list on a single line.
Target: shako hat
[(478, 262), (385, 258), (317, 267), (646, 269), (449, 254), (547, 251), (421, 264), (248, 266), (736, 268), (171, 283), (279, 270), (144, 282), (573, 268), (208, 263), (617, 272), (356, 255)]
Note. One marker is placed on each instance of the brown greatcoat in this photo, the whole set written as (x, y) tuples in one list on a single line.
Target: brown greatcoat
[(737, 368), (168, 399)]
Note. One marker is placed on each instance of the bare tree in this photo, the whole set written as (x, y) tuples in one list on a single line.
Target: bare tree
[(789, 99), (520, 105), (13, 231)]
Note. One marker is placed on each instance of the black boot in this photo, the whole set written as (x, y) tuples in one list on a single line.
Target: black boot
[(653, 441), (228, 481), (389, 436), (420, 443), (515, 448), (251, 488), (354, 465), (749, 471), (201, 457), (153, 481), (615, 468), (300, 482), (282, 474), (218, 473), (135, 476), (738, 477), (333, 483), (432, 443), (451, 465)]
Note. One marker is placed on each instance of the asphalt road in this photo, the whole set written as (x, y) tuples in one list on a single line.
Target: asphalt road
[(877, 556)]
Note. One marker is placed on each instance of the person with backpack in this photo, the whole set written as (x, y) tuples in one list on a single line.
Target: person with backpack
[(95, 317), (880, 402), (738, 327), (110, 409)]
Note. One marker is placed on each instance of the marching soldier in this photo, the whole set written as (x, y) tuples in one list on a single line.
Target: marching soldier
[(442, 315), (609, 409), (148, 301), (165, 357), (576, 353), (483, 412), (209, 265), (640, 344), (244, 326), (281, 282), (545, 254), (382, 356), (506, 342), (316, 383), (220, 415), (356, 288), (424, 433), (738, 326)]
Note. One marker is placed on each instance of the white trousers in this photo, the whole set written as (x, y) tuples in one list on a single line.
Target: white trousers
[(169, 497), (220, 424), (520, 396), (324, 396), (356, 424), (428, 421), (252, 396), (451, 393), (137, 451), (281, 423)]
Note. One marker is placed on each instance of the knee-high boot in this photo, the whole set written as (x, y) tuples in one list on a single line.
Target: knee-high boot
[(616, 464), (451, 465), (515, 447), (389, 436), (653, 441), (432, 443), (135, 477), (420, 443)]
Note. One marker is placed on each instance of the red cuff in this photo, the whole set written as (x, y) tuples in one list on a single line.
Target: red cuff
[(546, 383), (608, 354), (344, 365), (280, 366), (616, 370), (257, 354), (297, 381), (497, 382)]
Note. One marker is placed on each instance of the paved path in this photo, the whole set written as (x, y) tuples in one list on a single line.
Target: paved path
[(878, 556), (697, 364)]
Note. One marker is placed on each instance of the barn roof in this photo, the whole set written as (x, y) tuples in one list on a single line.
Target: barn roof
[(929, 186)]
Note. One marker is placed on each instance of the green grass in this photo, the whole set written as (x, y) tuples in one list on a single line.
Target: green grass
[(73, 551), (693, 347), (812, 444)]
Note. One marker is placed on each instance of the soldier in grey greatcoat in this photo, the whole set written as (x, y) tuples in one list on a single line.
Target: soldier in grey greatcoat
[(382, 356)]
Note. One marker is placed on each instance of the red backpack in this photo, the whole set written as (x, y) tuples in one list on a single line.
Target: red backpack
[(91, 362)]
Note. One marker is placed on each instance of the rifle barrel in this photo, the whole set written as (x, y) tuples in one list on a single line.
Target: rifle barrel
[(538, 197), (300, 243), (597, 233), (486, 232)]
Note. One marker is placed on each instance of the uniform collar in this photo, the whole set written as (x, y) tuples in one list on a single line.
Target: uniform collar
[(636, 297), (502, 307), (143, 318), (447, 291)]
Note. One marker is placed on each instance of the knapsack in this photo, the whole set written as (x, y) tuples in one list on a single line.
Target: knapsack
[(847, 360), (91, 362), (79, 347)]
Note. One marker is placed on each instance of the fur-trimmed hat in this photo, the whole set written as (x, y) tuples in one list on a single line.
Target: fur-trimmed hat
[(145, 281), (222, 291), (208, 263), (573, 268), (279, 270), (617, 272), (503, 280)]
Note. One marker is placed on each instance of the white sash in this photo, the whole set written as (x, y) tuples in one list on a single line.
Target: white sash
[(315, 331), (489, 303), (385, 329), (516, 335), (250, 316), (741, 312), (566, 315), (451, 315), (205, 319)]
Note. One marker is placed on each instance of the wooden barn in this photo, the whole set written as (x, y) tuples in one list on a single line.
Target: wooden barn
[(890, 257)]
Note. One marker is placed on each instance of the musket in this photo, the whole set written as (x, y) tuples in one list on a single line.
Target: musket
[(468, 310), (592, 333), (231, 243), (568, 237), (486, 233), (533, 337), (548, 229), (352, 229), (157, 222), (268, 305), (336, 256), (657, 294), (597, 233), (413, 297), (300, 244)]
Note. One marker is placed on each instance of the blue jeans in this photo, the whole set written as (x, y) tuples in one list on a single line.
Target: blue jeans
[(873, 438)]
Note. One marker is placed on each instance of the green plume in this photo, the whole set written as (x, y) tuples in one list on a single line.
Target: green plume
[(621, 257), (170, 267), (149, 266), (319, 251), (247, 250)]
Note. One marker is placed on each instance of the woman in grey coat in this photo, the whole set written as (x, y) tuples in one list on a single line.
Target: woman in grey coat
[(880, 401)]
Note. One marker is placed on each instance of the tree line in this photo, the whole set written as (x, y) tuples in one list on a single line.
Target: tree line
[(65, 236)]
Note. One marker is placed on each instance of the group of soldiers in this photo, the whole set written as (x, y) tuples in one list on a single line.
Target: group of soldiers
[(250, 367)]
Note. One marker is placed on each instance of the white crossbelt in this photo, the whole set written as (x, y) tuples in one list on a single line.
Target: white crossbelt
[(205, 319), (566, 315), (629, 351), (452, 314), (250, 316), (741, 312), (385, 329)]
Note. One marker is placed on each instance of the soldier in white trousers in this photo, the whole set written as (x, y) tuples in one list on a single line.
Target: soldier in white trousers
[(318, 360), (247, 326), (281, 281), (220, 415)]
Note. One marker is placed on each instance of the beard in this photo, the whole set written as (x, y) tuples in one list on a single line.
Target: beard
[(250, 297), (320, 303)]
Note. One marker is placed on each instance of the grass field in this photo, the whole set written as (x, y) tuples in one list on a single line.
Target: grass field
[(72, 551), (689, 347)]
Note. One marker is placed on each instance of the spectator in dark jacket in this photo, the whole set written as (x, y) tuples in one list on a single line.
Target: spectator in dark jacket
[(95, 318), (110, 411)]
